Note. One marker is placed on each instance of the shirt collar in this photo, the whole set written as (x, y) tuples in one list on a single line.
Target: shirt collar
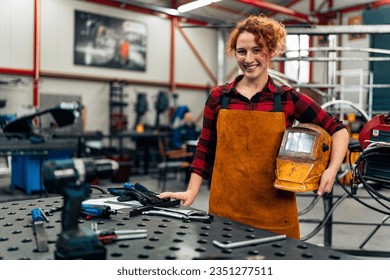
[(270, 86)]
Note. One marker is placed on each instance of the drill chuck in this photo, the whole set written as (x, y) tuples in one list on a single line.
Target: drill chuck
[(59, 174)]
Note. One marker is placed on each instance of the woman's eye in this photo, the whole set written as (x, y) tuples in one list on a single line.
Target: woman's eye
[(241, 52), (256, 51)]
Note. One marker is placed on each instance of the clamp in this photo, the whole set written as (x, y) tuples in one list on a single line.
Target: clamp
[(195, 215)]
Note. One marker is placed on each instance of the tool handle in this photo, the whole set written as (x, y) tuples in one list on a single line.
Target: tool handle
[(128, 186), (36, 214), (118, 191), (100, 211)]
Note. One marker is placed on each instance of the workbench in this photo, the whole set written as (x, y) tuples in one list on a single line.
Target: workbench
[(167, 238)]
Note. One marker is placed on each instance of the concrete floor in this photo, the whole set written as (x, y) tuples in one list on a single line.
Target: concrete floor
[(353, 222)]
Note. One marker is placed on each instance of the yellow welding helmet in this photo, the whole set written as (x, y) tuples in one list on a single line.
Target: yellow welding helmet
[(303, 156)]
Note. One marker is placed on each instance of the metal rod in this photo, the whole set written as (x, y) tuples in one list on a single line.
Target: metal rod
[(374, 231), (340, 29), (248, 242), (333, 58), (326, 49)]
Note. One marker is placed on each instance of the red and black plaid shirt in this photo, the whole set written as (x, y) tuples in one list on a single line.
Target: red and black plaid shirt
[(295, 105)]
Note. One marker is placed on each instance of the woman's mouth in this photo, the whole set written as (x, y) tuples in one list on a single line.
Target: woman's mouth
[(251, 67)]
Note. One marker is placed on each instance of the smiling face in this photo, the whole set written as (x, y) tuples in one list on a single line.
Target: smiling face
[(252, 57)]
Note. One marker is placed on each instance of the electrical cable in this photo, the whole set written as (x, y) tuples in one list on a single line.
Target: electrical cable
[(310, 206), (373, 193), (325, 219), (370, 151), (98, 188), (374, 149), (359, 200)]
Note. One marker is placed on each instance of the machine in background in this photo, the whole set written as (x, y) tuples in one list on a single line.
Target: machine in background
[(373, 164)]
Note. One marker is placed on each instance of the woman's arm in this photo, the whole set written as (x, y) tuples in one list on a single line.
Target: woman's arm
[(340, 140)]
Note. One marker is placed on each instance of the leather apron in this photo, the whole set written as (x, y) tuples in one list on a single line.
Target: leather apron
[(244, 171)]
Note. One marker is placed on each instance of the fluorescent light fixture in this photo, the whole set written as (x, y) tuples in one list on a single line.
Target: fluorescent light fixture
[(194, 5)]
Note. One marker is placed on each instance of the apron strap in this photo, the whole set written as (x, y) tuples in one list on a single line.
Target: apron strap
[(277, 99), (226, 98)]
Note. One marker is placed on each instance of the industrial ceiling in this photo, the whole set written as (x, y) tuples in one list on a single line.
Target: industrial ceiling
[(228, 12)]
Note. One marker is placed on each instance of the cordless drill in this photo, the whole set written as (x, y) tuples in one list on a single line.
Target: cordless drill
[(70, 178)]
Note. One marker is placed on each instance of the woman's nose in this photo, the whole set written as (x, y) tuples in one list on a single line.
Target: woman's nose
[(249, 56)]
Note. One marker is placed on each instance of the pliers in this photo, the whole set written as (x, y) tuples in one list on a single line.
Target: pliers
[(195, 215)]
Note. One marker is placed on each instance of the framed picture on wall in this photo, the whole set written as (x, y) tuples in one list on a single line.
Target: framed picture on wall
[(355, 20), (104, 41)]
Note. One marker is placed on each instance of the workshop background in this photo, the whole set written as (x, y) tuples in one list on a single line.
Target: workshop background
[(122, 69)]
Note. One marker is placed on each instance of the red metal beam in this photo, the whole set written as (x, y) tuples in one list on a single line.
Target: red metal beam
[(81, 77), (13, 71), (293, 2), (37, 51), (172, 86), (281, 9), (373, 5), (379, 3)]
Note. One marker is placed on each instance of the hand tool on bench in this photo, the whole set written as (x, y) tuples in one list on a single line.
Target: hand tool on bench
[(107, 236), (195, 215), (39, 228), (98, 211), (248, 242)]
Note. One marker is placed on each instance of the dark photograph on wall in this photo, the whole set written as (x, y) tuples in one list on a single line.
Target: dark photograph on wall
[(109, 42)]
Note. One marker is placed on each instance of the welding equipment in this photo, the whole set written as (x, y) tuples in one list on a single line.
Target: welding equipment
[(373, 163), (303, 156), (71, 177)]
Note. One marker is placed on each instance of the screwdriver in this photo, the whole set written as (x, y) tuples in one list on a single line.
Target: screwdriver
[(99, 211)]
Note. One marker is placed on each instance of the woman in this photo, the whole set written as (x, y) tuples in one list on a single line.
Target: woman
[(249, 123)]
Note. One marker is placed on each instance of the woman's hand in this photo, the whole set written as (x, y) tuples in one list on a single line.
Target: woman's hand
[(186, 198), (326, 183)]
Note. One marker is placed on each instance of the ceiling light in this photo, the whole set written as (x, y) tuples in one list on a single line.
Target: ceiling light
[(194, 5)]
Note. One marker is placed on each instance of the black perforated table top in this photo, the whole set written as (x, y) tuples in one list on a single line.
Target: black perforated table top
[(167, 238)]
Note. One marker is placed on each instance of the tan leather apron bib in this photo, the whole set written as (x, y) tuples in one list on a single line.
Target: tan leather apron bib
[(244, 171)]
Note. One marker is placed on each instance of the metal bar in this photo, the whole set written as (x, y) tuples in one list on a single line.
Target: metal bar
[(328, 205), (281, 9), (248, 242), (374, 231), (339, 86), (340, 29), (15, 71), (331, 59), (326, 49), (364, 253), (316, 221)]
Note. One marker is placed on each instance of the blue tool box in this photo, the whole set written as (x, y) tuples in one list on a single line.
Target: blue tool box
[(26, 170)]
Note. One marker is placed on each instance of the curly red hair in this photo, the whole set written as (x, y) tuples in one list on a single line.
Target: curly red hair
[(272, 31)]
